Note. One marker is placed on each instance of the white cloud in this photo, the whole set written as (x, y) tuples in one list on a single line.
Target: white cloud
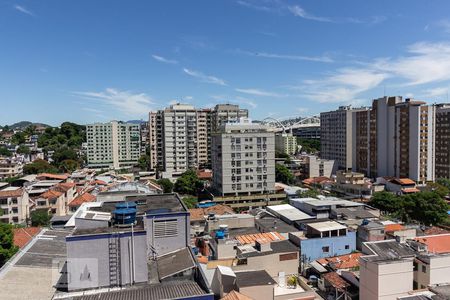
[(325, 59), (123, 101), (435, 92), (345, 86), (297, 11), (23, 10), (204, 77), (427, 62), (164, 60), (257, 92)]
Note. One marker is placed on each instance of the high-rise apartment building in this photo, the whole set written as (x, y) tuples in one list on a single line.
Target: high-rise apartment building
[(395, 138), (336, 141), (113, 145), (286, 143), (442, 144), (180, 136), (145, 137), (243, 159)]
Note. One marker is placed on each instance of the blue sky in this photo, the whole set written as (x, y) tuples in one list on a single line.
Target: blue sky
[(87, 61)]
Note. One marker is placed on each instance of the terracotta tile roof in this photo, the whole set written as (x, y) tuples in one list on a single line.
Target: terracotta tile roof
[(434, 230), (393, 227), (336, 281), (86, 197), (347, 261), (54, 176), (233, 295), (51, 194), (436, 243), (11, 193), (316, 180), (64, 187), (24, 235), (403, 181), (100, 182), (204, 174), (219, 209), (266, 236), (410, 190)]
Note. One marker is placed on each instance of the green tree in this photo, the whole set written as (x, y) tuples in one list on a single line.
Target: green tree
[(144, 162), (444, 182), (40, 217), (7, 248), (283, 174), (386, 202), (69, 165), (426, 207), (309, 145), (39, 166), (190, 202), (281, 155), (18, 138), (22, 149), (312, 193), (166, 185), (188, 183), (5, 152), (441, 189)]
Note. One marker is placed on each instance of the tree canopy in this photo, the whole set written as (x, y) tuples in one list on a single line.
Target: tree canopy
[(283, 174), (425, 207), (308, 194), (39, 166), (7, 248), (5, 152), (188, 183), (166, 185), (40, 217), (309, 145)]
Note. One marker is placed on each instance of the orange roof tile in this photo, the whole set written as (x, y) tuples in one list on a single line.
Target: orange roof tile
[(86, 197), (336, 281), (64, 187), (347, 261), (100, 182), (410, 190), (436, 243), (204, 174), (435, 231), (218, 209), (53, 176), (233, 295), (23, 236), (393, 227), (50, 194), (316, 180), (11, 193), (252, 238)]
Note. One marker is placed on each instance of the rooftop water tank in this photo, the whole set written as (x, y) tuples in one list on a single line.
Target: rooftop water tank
[(124, 214)]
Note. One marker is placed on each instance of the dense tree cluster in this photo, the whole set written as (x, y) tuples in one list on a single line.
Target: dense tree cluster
[(188, 183), (283, 174), (426, 207), (312, 193), (309, 145), (7, 248), (166, 185), (40, 217), (39, 166)]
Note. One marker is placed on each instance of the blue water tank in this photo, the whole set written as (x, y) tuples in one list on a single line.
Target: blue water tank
[(125, 213)]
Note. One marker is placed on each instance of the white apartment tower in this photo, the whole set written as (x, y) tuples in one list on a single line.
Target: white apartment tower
[(336, 141), (180, 136), (113, 145), (243, 159)]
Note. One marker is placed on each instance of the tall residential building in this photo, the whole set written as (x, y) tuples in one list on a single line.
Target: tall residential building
[(145, 137), (442, 144), (224, 113), (286, 143), (395, 138), (113, 145), (180, 136), (336, 141), (243, 159)]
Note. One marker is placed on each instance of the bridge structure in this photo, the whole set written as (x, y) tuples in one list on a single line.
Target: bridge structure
[(280, 125)]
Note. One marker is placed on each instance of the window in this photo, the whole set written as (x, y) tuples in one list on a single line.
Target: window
[(424, 269), (325, 249), (347, 247), (166, 228), (415, 266)]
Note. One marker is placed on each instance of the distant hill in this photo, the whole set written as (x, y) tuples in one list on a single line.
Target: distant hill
[(136, 121), (25, 124)]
